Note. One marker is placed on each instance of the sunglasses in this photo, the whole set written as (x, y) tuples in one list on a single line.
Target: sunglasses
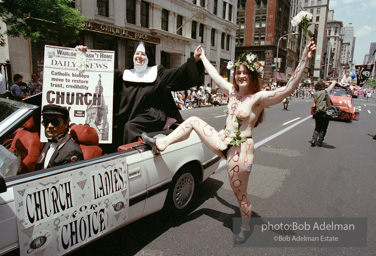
[(55, 122)]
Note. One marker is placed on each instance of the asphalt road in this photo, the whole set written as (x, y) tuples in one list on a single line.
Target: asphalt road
[(289, 179)]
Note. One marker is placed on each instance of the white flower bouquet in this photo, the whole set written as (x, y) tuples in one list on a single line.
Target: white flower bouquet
[(303, 20)]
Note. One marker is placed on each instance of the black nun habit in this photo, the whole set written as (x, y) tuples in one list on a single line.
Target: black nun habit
[(146, 99)]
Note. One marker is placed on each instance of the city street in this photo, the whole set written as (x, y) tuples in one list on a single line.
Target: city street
[(289, 179)]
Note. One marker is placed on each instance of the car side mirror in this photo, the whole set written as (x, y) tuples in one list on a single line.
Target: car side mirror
[(3, 186)]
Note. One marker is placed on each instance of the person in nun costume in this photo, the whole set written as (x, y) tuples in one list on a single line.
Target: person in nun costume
[(146, 100)]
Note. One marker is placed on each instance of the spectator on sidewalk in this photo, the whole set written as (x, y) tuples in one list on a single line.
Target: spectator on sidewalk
[(189, 102), (35, 86), (17, 88)]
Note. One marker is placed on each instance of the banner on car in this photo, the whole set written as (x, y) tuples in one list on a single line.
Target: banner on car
[(83, 82), (60, 213)]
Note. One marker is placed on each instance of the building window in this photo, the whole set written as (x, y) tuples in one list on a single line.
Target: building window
[(179, 23), (264, 4), (258, 5), (256, 39), (165, 19), (131, 11), (215, 7), (212, 37), (263, 21), (318, 11), (202, 3), (311, 10), (230, 12), (257, 22), (305, 3), (312, 3), (144, 14), (194, 30), (201, 30), (228, 43), (336, 31), (103, 7), (194, 1), (241, 23), (241, 5), (318, 2), (317, 18), (241, 40), (262, 39), (223, 41), (165, 59), (224, 10)]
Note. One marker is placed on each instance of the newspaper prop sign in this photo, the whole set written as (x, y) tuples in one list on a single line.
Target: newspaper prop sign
[(60, 213), (82, 82)]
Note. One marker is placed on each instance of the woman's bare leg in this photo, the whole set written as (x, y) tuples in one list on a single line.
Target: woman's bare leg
[(239, 165), (207, 134)]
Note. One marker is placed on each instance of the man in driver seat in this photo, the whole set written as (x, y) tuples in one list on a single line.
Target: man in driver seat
[(60, 149)]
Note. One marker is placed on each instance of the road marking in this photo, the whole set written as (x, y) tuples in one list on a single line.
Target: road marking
[(291, 121), (369, 112), (220, 116), (275, 135)]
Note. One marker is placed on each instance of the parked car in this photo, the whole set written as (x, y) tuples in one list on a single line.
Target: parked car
[(342, 97), (60, 209)]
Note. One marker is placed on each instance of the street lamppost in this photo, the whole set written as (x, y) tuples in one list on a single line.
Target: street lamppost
[(279, 40), (329, 50)]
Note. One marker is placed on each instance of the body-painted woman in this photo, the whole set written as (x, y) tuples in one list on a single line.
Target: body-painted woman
[(246, 105)]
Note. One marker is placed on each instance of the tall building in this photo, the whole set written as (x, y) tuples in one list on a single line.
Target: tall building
[(173, 28), (345, 55), (348, 37), (372, 50), (334, 46), (366, 59), (262, 26), (319, 10)]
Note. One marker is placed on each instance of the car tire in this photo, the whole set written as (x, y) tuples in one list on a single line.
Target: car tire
[(181, 193)]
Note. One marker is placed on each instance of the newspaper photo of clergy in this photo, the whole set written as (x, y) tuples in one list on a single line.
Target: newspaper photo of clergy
[(97, 114)]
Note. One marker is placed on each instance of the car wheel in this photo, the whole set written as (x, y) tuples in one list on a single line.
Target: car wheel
[(181, 193)]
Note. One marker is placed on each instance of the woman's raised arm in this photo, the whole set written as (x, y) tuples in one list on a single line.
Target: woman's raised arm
[(213, 73), (269, 98)]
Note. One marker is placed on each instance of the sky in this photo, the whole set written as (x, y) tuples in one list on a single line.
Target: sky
[(362, 14)]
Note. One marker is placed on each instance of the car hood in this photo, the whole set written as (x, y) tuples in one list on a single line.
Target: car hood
[(344, 102)]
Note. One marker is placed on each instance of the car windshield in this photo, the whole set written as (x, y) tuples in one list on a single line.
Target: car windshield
[(12, 115), (340, 92)]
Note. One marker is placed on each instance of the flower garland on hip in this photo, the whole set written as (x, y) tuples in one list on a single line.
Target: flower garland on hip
[(303, 20), (225, 138), (249, 60)]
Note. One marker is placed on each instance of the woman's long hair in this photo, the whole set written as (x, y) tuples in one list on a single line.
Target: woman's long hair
[(254, 86)]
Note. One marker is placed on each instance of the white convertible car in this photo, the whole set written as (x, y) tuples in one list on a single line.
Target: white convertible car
[(57, 210)]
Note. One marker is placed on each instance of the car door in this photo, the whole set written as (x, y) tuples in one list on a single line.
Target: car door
[(62, 208)]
